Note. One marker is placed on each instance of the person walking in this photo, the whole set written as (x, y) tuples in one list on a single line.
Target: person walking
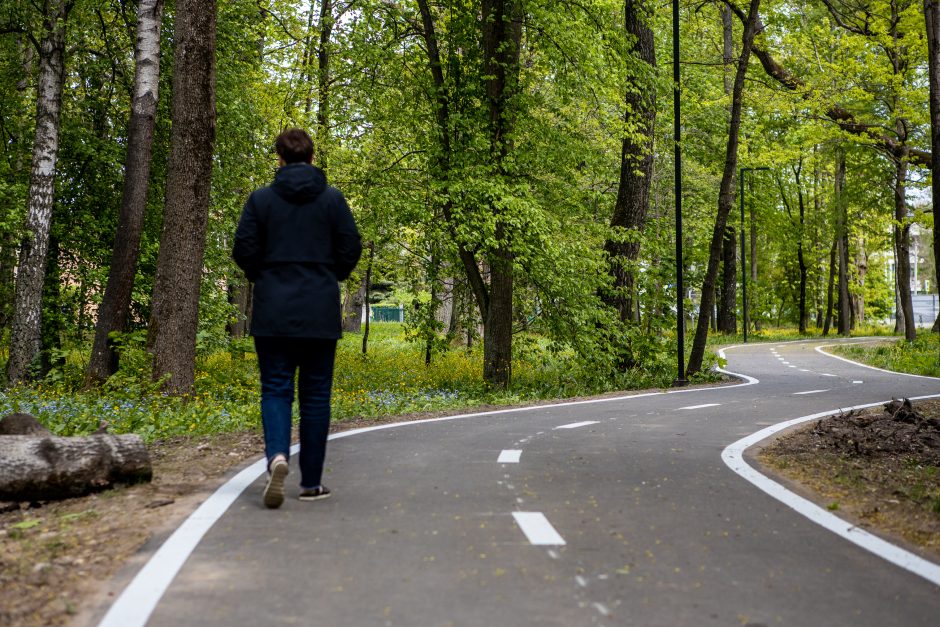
[(295, 241)]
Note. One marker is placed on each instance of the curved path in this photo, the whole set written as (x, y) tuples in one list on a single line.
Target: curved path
[(613, 512)]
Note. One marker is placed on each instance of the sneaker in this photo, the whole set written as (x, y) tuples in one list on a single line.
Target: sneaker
[(314, 494), (274, 489)]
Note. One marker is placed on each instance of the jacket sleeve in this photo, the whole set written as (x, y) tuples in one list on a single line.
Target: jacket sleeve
[(248, 250), (347, 245)]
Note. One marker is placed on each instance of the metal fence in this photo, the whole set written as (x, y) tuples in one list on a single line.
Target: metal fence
[(388, 314), (926, 308)]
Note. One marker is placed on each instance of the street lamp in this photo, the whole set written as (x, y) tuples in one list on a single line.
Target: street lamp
[(743, 255), (677, 136)]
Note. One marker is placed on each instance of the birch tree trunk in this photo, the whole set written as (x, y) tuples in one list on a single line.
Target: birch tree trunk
[(115, 305), (173, 322), (725, 196), (25, 333)]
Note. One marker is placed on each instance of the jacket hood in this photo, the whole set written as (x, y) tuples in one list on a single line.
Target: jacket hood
[(299, 182)]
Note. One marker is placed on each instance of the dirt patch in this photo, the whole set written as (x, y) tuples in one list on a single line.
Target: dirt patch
[(52, 554), (878, 468)]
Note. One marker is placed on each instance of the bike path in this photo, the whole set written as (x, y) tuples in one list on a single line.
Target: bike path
[(427, 527)]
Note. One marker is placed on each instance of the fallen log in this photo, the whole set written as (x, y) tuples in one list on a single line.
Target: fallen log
[(40, 467)]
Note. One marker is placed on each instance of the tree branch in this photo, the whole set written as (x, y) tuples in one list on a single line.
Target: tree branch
[(836, 113)]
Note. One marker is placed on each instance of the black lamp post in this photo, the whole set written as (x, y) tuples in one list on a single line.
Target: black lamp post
[(677, 136), (743, 256)]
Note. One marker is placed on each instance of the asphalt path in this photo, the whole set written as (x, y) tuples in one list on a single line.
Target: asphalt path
[(617, 512)]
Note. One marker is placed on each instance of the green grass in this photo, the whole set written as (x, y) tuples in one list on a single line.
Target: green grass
[(787, 334), (391, 379), (922, 356)]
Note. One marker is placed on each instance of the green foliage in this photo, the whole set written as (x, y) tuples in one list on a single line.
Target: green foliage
[(392, 379), (551, 197)]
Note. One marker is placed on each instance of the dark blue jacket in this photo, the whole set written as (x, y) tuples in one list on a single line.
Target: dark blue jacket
[(295, 241)]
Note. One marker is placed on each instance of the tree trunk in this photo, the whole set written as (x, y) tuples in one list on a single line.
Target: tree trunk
[(52, 317), (842, 247), (725, 195), (800, 257), (830, 287), (367, 282), (726, 320), (861, 267), (27, 310), (323, 83), (502, 39), (175, 314), (442, 106), (239, 295), (799, 227), (636, 165), (7, 285), (902, 244), (45, 468), (932, 19), (115, 305), (352, 306)]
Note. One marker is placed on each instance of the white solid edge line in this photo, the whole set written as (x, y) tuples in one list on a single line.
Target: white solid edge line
[(509, 456), (733, 456), (139, 598), (819, 349), (537, 529)]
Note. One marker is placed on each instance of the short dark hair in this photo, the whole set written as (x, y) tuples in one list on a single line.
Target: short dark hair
[(293, 145)]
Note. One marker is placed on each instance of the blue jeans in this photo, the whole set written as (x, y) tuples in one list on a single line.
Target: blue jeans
[(278, 359)]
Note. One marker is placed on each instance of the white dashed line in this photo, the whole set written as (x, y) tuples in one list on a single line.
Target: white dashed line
[(826, 374), (804, 370), (602, 609), (575, 425), (857, 382), (537, 529), (700, 406), (784, 362), (581, 581), (809, 392), (509, 456)]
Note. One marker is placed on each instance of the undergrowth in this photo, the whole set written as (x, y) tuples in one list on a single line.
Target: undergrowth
[(391, 379), (922, 356)]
